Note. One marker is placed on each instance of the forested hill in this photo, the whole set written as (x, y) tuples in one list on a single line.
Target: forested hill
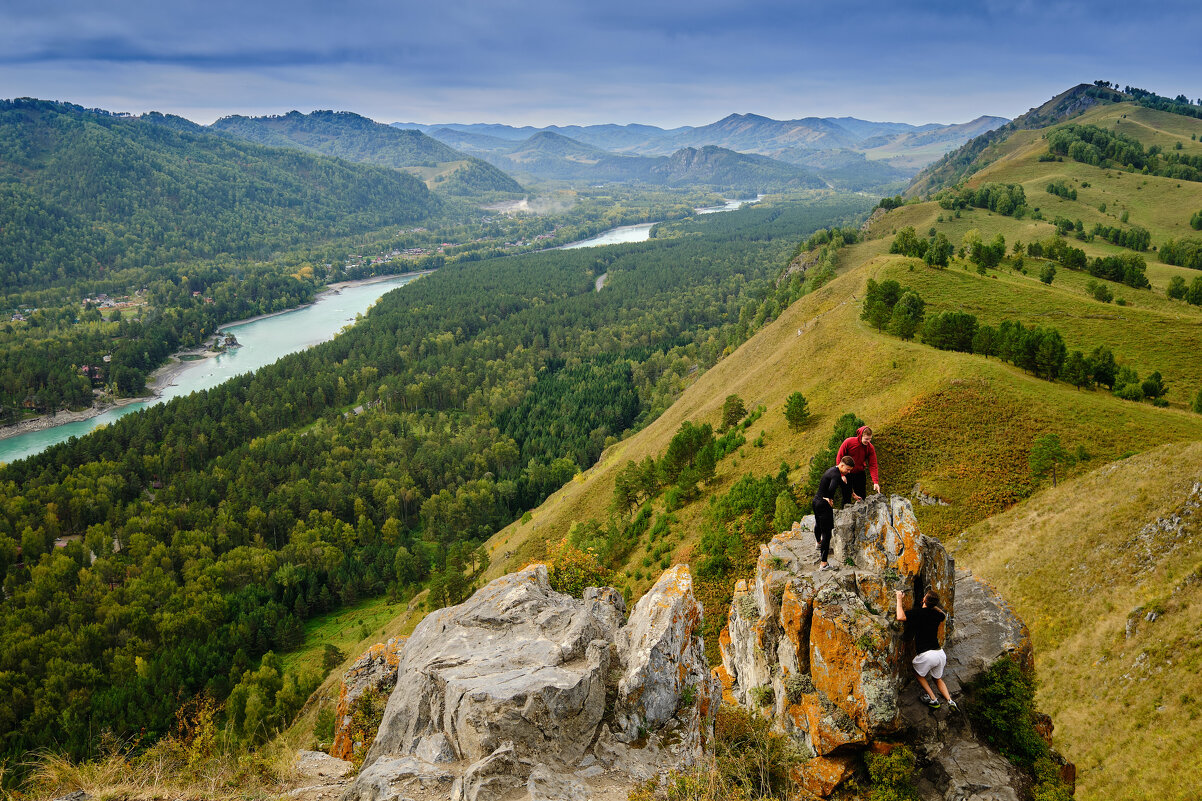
[(85, 192), (355, 138)]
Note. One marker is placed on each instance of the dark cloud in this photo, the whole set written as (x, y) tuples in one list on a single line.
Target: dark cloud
[(543, 61)]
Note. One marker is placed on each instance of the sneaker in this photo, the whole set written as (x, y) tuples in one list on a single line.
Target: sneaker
[(828, 566), (929, 701), (952, 705)]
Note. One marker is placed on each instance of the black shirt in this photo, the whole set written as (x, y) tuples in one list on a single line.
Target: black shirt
[(924, 625), (831, 480)]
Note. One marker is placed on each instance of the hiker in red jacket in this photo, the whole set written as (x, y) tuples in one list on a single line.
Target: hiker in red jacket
[(860, 449)]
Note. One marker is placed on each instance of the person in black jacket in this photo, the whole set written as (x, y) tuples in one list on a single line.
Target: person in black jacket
[(929, 657), (824, 506)]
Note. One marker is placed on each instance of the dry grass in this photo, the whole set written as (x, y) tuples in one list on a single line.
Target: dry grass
[(1080, 566), (195, 761)]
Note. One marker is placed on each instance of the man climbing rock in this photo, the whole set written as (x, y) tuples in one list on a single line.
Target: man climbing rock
[(860, 449), (824, 506), (929, 659)]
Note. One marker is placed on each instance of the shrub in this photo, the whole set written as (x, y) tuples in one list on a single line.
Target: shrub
[(750, 755), (331, 657), (733, 411), (892, 775), (571, 570), (367, 713), (323, 729), (763, 695), (797, 409), (1131, 392), (1048, 784), (797, 685), (1002, 706)]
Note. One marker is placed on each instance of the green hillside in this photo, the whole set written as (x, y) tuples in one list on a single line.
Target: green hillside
[(87, 192), (349, 136), (961, 427)]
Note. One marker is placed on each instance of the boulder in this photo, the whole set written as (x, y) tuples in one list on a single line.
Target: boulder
[(375, 670), (520, 676)]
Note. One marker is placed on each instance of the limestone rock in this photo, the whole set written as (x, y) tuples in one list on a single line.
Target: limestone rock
[(663, 657), (375, 670), (821, 775), (492, 778), (545, 784), (520, 676), (987, 630), (388, 778), (823, 652)]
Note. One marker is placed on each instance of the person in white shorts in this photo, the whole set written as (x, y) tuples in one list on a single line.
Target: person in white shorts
[(930, 660)]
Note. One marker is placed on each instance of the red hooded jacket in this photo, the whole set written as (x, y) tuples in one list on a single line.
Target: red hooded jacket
[(865, 455)]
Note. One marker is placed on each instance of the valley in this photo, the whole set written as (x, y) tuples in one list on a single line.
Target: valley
[(1010, 325)]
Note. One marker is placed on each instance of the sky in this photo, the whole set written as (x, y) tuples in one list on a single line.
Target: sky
[(543, 62)]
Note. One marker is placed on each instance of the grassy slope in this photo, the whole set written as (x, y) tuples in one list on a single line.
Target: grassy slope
[(1126, 707), (961, 427)]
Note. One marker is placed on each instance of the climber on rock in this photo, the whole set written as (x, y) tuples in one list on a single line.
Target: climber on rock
[(860, 449), (929, 660), (824, 506)]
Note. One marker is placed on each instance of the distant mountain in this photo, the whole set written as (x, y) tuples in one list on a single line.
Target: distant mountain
[(850, 170), (633, 138), (355, 138), (751, 133), (719, 167), (894, 151), (85, 192), (551, 156)]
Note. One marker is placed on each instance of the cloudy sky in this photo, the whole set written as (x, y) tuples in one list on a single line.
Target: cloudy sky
[(541, 62)]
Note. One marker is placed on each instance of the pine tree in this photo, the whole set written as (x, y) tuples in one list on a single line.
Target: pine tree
[(797, 411)]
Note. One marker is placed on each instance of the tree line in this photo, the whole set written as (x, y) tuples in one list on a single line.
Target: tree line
[(1099, 147), (1039, 350)]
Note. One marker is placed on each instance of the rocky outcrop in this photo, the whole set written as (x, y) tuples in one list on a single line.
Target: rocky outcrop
[(375, 670), (821, 653), (521, 690)]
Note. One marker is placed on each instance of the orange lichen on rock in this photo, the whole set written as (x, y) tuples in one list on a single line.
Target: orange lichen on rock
[(821, 775), (375, 669)]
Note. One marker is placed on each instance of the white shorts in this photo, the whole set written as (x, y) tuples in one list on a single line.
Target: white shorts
[(931, 662)]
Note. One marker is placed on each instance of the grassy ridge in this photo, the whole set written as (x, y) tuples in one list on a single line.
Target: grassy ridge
[(1080, 565)]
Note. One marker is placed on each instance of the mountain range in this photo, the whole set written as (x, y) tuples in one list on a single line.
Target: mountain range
[(846, 152)]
